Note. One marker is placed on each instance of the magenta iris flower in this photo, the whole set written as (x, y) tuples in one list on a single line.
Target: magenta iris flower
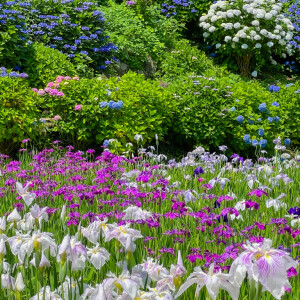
[(258, 193)]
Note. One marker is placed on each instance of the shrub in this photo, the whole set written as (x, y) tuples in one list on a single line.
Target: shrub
[(136, 41), (75, 28), (293, 12), (19, 110), (185, 59), (248, 31), (198, 112), (87, 111), (12, 36), (210, 112), (167, 30), (45, 64)]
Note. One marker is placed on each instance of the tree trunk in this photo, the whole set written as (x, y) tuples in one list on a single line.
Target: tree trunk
[(244, 64)]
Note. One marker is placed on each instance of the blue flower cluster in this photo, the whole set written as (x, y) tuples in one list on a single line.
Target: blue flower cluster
[(262, 143), (178, 7), (265, 118), (5, 73), (112, 104), (12, 22), (274, 88), (77, 31), (293, 13), (106, 143), (291, 66)]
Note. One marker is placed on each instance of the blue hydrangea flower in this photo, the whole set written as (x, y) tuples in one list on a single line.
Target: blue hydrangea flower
[(111, 104), (270, 119), (103, 104), (289, 85), (247, 139), (263, 143), (106, 143), (275, 103), (250, 121), (276, 119), (240, 119), (262, 107), (261, 132), (287, 142), (119, 105), (254, 142), (232, 109), (13, 74), (274, 88)]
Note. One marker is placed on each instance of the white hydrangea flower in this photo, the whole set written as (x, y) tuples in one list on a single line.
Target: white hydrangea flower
[(212, 29), (237, 25), (214, 19)]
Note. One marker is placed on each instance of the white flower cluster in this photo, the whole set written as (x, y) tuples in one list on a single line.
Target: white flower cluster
[(248, 25)]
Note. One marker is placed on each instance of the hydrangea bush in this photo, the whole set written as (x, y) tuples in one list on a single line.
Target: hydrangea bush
[(19, 111), (249, 31), (85, 112), (75, 28), (293, 13), (12, 35)]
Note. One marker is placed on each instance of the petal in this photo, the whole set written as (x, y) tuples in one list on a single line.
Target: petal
[(190, 281)]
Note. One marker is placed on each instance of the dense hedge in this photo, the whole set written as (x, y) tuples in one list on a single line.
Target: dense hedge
[(85, 112), (45, 64), (20, 113)]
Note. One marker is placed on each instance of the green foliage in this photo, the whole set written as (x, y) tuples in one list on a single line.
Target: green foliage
[(44, 64), (199, 112), (185, 59), (19, 112), (206, 110), (11, 39), (289, 100), (167, 30), (135, 40), (146, 110)]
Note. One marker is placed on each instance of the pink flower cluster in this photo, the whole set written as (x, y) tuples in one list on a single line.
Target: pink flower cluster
[(52, 87), (51, 92), (59, 79)]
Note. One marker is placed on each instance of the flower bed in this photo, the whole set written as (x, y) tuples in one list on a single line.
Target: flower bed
[(111, 227)]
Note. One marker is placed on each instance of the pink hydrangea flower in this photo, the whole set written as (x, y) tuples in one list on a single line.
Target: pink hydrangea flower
[(78, 107), (47, 89), (53, 92), (35, 90), (56, 85), (68, 78), (76, 78), (50, 84), (41, 92), (56, 118)]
